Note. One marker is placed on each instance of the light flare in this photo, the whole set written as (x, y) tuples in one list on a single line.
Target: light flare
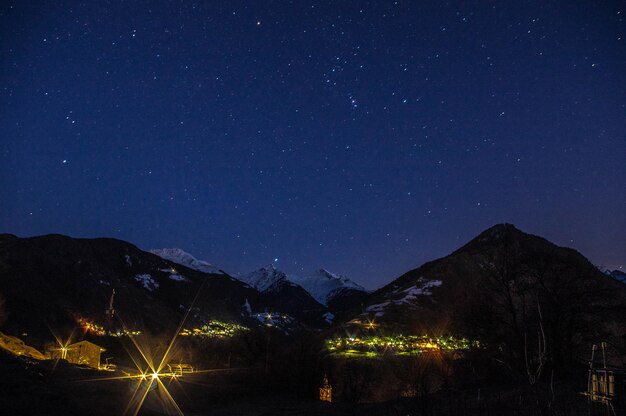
[(152, 378)]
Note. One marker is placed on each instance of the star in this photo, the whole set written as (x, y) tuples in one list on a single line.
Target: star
[(334, 112)]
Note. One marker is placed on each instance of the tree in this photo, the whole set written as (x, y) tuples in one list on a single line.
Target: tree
[(534, 293)]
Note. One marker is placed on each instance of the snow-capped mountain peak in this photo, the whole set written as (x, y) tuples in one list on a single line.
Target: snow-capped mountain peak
[(264, 278), (322, 284), (183, 258), (345, 282)]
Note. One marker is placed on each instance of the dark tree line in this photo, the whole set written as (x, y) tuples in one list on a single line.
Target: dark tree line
[(541, 310)]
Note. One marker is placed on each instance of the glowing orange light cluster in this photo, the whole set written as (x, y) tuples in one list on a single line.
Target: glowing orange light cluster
[(153, 369), (91, 327)]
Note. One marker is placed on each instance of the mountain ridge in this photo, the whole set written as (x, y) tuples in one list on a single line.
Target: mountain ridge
[(323, 285), (499, 288), (55, 280), (284, 293), (182, 257)]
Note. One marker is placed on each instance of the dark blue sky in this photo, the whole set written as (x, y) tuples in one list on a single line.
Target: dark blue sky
[(365, 137)]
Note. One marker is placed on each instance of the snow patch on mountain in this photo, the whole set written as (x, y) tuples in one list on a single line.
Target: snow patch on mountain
[(147, 281), (174, 275), (378, 309), (267, 278), (422, 287), (323, 285), (183, 258), (178, 277)]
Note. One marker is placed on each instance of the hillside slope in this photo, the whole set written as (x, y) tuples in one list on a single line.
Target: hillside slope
[(504, 288)]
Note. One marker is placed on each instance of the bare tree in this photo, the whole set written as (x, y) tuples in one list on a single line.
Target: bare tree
[(535, 363)]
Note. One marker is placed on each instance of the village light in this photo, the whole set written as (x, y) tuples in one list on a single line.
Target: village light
[(153, 377), (400, 344)]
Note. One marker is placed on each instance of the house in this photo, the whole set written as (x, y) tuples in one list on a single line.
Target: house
[(82, 352), (16, 346)]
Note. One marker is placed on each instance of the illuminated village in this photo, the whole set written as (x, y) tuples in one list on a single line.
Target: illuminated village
[(195, 357), (135, 348), (372, 346), (312, 208), (215, 329)]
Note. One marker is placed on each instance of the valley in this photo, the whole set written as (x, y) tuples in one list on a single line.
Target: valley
[(506, 314)]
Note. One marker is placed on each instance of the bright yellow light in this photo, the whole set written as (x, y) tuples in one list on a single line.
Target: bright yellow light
[(151, 378)]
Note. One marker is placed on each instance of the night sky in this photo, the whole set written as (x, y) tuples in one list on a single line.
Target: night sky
[(364, 137)]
